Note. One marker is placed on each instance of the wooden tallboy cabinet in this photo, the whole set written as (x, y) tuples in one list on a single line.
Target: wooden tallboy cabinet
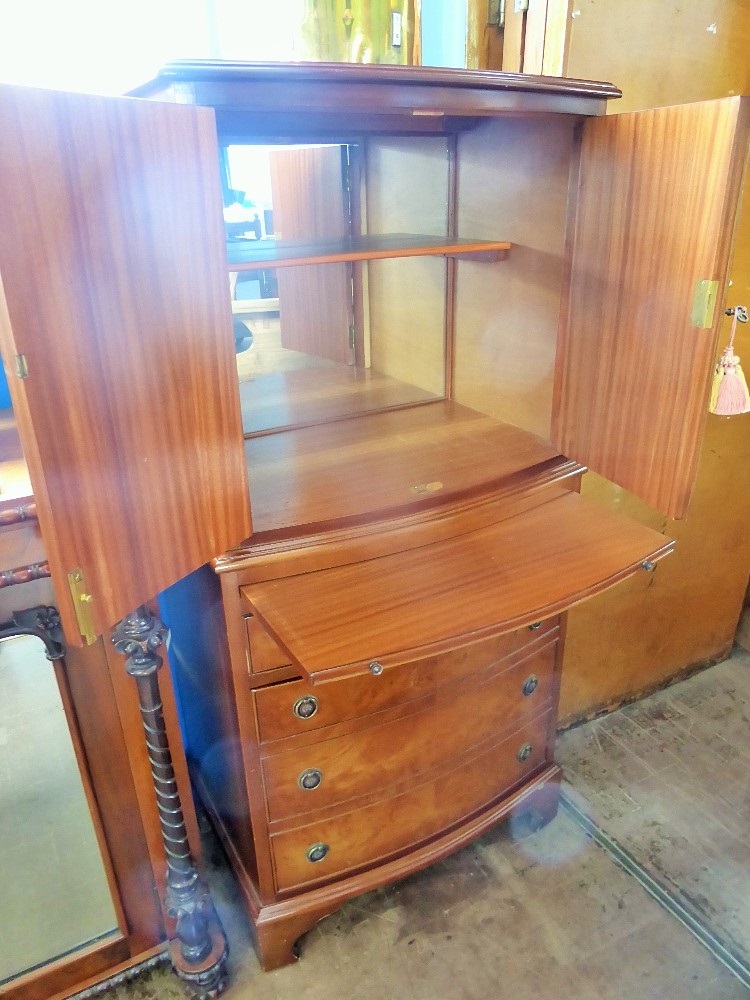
[(368, 553)]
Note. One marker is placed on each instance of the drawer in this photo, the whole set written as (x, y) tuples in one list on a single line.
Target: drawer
[(284, 710), (367, 762), (265, 652), (332, 847)]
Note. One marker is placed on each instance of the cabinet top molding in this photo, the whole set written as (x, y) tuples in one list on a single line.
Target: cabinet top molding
[(378, 89)]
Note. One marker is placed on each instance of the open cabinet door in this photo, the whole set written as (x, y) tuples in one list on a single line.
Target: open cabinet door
[(117, 338), (653, 217)]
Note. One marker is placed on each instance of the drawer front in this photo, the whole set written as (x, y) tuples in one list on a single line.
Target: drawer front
[(367, 762), (299, 707), (265, 652), (356, 839)]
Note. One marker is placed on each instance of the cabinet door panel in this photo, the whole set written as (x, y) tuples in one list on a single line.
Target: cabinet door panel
[(116, 293), (655, 212)]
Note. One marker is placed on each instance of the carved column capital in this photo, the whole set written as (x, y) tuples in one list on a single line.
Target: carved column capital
[(137, 637)]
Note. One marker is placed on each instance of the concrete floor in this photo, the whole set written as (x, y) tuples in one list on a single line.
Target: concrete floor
[(668, 778), (552, 915)]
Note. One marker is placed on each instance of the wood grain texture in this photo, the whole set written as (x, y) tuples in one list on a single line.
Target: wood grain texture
[(352, 698), (381, 462), (513, 178), (315, 396), (373, 246), (408, 189), (130, 410), (349, 100), (449, 722), (309, 204), (490, 581), (656, 203), (451, 794)]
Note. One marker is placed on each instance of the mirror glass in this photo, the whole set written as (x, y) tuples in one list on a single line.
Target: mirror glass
[(54, 895), (317, 342)]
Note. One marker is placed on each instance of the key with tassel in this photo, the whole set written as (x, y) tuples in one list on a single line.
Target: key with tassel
[(729, 392)]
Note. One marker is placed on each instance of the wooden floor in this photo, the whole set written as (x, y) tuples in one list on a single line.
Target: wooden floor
[(551, 915)]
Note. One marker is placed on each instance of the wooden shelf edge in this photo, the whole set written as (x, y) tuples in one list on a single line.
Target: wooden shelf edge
[(418, 525), (251, 255)]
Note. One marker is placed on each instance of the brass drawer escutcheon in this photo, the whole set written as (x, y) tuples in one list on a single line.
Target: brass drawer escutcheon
[(305, 708), (310, 779), (316, 852)]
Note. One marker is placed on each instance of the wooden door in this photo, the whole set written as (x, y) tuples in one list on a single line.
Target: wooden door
[(315, 302), (115, 314), (656, 200)]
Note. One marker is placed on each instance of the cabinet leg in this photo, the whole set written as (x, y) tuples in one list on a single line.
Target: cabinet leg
[(537, 810), (200, 950), (276, 938)]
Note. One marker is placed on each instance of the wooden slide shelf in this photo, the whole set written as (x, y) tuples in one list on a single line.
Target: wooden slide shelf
[(249, 254)]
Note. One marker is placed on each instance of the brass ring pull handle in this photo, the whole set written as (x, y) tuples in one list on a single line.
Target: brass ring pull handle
[(524, 752), (310, 779), (305, 708), (316, 852), (534, 626)]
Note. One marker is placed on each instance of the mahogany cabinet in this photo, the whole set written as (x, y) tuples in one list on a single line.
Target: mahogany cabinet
[(365, 546)]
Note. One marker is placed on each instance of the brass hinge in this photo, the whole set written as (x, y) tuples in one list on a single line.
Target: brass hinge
[(704, 303), (352, 336), (82, 601), (22, 368)]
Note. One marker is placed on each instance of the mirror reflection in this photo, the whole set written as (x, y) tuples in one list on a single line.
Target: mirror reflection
[(317, 342), (54, 894)]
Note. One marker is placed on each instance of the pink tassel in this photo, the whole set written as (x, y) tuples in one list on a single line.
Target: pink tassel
[(729, 392)]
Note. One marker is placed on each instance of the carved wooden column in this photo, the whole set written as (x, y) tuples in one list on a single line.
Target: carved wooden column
[(200, 949)]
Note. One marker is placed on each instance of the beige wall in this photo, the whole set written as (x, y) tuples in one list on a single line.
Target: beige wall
[(661, 53), (653, 628)]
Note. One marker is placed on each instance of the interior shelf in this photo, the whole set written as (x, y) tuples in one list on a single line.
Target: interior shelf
[(383, 463), (243, 255)]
